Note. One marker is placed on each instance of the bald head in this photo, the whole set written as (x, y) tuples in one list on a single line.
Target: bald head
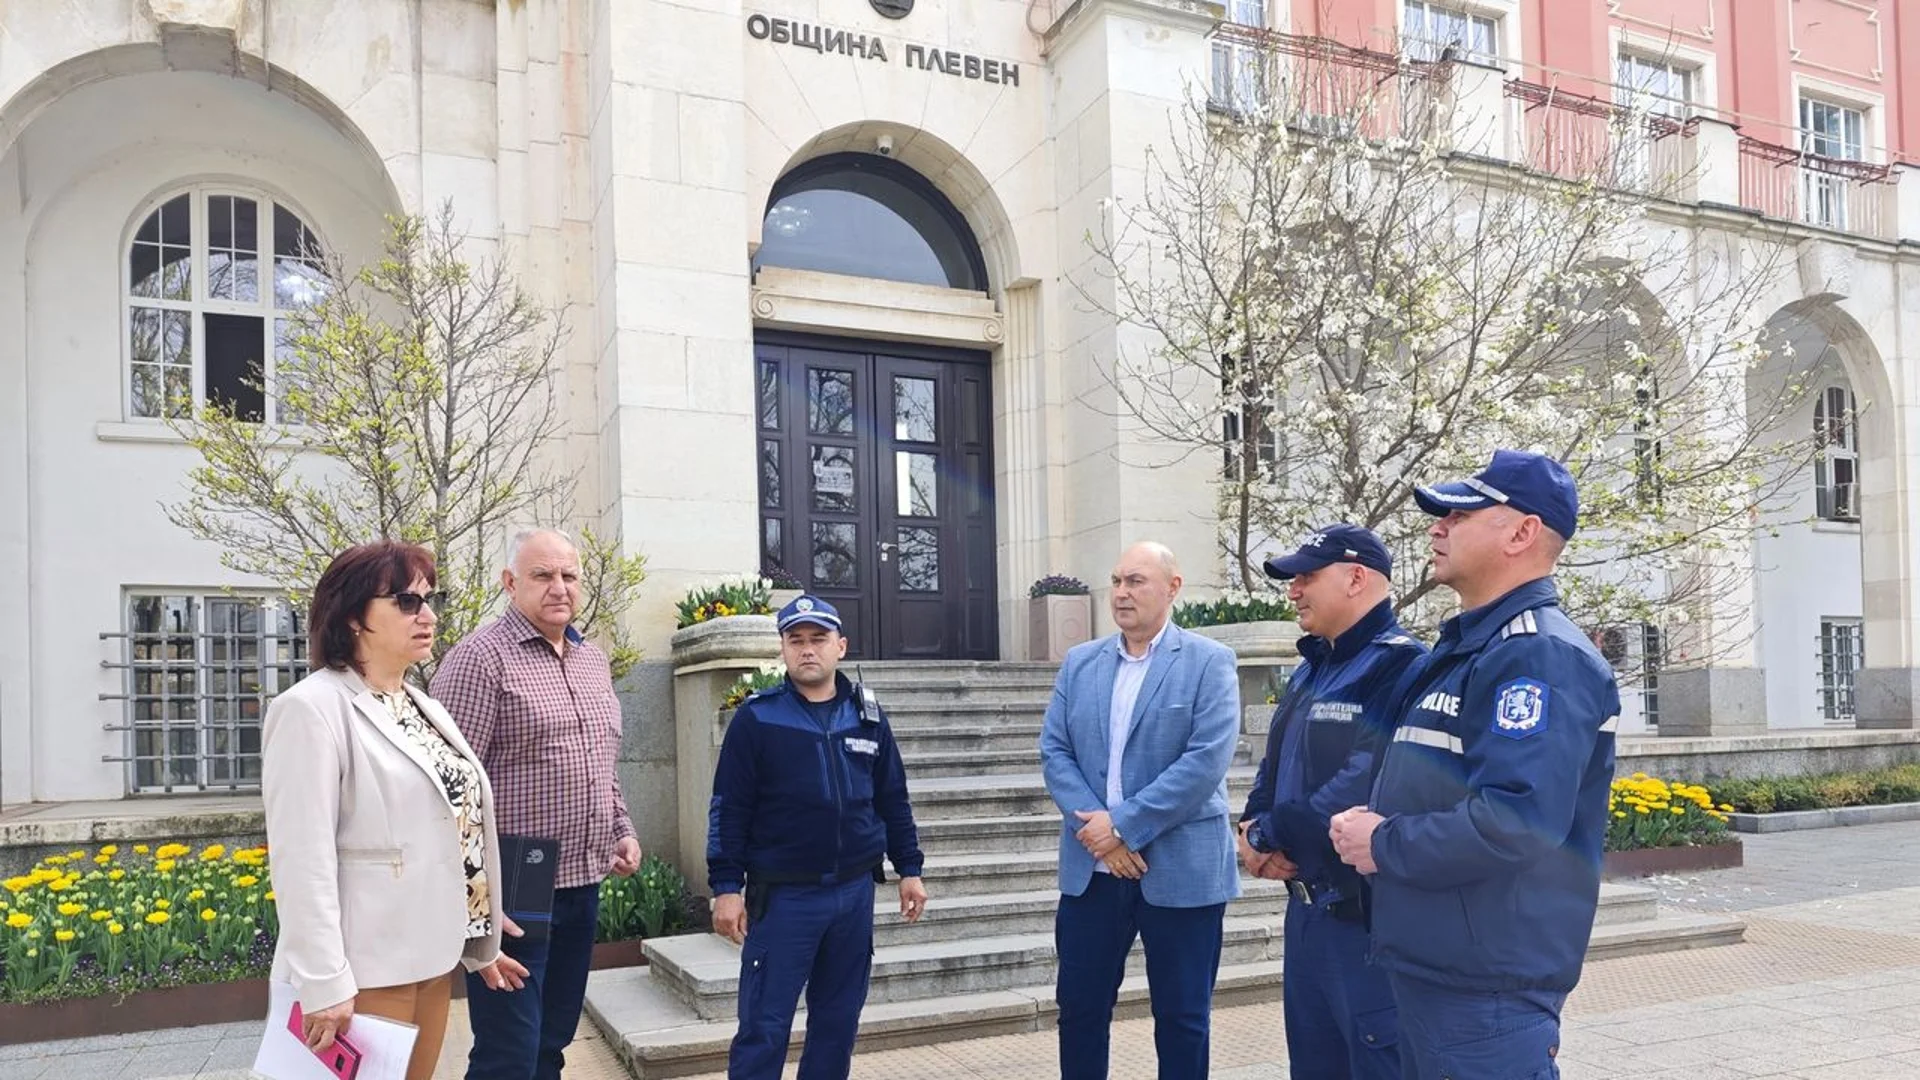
[(1145, 582), (543, 579)]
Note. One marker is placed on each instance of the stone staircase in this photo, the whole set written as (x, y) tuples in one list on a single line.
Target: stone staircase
[(980, 961)]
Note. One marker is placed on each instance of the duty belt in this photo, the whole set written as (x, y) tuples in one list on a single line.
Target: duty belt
[(1311, 896)]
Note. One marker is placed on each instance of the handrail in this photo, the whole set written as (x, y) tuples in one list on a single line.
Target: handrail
[(1864, 172)]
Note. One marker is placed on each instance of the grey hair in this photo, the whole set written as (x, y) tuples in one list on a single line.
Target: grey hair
[(519, 540), (1161, 552)]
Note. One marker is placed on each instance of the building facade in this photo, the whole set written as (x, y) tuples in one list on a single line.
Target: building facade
[(831, 306)]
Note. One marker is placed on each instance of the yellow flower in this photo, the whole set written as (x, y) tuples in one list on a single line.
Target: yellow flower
[(63, 935), (61, 885), (110, 850), (207, 915), (1619, 813), (158, 918), (163, 865), (55, 860), (139, 849), (1641, 810), (1726, 808), (1679, 810), (116, 929), (162, 905), (17, 885), (19, 920), (116, 874), (101, 916), (246, 881), (212, 852), (269, 895), (102, 860), (76, 854), (196, 894), (71, 909)]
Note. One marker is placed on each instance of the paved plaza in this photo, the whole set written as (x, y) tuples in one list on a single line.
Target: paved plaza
[(1827, 985)]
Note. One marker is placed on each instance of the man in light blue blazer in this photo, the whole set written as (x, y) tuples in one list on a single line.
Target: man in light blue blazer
[(1135, 749)]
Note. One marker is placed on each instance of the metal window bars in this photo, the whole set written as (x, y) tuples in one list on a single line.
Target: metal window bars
[(1842, 654), (197, 673)]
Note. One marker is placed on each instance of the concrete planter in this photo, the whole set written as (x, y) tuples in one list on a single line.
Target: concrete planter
[(1645, 862), (1831, 818), (736, 637), (779, 598), (1257, 640), (1056, 624)]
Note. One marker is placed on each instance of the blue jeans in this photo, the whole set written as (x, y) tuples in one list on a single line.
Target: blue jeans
[(1476, 1034), (815, 936), (1093, 933), (1338, 1006), (523, 1034)]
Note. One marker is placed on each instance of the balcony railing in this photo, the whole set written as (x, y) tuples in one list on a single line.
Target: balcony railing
[(1323, 85), (1577, 137), (1832, 193)]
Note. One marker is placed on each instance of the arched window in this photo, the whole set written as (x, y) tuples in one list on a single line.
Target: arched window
[(868, 216), (212, 273), (1836, 471)]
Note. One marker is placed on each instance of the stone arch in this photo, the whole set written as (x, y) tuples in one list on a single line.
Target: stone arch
[(950, 172), (119, 61)]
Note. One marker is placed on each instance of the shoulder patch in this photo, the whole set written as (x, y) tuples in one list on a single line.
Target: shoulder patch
[(1523, 623), (1520, 709)]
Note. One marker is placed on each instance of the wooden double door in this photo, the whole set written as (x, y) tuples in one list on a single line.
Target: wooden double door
[(876, 490)]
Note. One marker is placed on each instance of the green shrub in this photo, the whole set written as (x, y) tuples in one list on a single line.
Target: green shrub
[(1768, 795), (1234, 607), (652, 903)]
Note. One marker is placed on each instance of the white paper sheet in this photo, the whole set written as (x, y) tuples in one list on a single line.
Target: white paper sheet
[(385, 1045)]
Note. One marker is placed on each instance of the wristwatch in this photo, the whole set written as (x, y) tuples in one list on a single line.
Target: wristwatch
[(1257, 837), (1116, 831)]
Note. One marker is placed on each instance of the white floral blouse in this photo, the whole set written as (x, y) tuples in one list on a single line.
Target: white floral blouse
[(461, 778)]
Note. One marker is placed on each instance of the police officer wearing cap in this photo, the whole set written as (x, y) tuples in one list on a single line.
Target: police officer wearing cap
[(1335, 717), (1484, 833), (808, 795)]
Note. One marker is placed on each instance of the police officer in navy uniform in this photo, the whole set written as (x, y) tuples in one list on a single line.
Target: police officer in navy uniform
[(1321, 750), (808, 794), (1484, 834)]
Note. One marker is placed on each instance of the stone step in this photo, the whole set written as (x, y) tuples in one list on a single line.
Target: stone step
[(988, 872), (922, 764), (1011, 794), (1675, 932), (966, 918), (657, 1035), (704, 969), (968, 836), (932, 712), (952, 736)]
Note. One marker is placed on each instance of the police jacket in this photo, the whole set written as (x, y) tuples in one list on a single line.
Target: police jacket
[(1494, 791), (1323, 745), (799, 800)]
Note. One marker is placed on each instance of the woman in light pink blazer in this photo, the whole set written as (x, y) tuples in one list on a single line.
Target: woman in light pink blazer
[(380, 821)]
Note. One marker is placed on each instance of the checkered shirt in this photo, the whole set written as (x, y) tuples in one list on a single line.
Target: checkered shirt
[(548, 730)]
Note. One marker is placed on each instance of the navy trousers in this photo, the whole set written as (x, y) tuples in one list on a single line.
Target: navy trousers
[(819, 937), (1449, 1034), (523, 1034), (1093, 933), (1338, 1006)]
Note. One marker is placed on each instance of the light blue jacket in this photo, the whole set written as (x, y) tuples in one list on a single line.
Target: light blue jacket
[(1180, 742)]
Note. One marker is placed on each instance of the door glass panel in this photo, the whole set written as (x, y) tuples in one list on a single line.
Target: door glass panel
[(830, 402), (769, 395), (919, 552), (834, 565), (914, 417), (770, 473), (771, 552), (918, 478), (833, 481)]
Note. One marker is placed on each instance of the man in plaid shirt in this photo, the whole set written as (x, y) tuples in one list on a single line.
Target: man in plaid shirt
[(536, 702)]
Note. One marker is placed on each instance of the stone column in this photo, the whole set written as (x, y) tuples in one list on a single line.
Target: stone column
[(708, 658), (1122, 72), (1025, 461), (1713, 173), (1476, 114)]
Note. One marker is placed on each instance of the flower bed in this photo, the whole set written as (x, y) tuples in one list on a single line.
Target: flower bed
[(1233, 606), (112, 922), (1647, 812)]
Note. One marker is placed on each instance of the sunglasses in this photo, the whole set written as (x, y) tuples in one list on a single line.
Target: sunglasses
[(409, 603)]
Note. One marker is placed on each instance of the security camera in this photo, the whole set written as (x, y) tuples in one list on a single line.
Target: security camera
[(883, 146)]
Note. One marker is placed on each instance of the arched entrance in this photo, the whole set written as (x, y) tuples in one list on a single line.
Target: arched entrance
[(876, 456)]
